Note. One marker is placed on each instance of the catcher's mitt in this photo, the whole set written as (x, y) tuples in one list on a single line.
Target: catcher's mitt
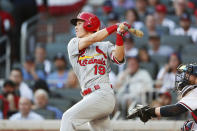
[(140, 111)]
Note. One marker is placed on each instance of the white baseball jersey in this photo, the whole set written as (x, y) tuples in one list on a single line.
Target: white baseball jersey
[(91, 65), (189, 101)]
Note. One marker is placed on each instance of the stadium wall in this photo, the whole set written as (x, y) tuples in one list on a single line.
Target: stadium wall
[(53, 125)]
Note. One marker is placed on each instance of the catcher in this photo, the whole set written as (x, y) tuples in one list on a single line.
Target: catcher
[(186, 85)]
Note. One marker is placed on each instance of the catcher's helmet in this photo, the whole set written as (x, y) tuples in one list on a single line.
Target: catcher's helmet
[(188, 125), (92, 22), (183, 74)]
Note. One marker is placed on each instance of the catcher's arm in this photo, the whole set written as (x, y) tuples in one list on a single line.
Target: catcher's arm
[(145, 112), (170, 110)]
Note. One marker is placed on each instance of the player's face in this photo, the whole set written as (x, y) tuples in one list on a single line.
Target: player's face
[(80, 31)]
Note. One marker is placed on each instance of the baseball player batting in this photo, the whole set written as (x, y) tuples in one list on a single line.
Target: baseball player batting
[(186, 85), (90, 58)]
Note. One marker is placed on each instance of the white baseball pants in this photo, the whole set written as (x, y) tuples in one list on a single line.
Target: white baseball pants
[(93, 108)]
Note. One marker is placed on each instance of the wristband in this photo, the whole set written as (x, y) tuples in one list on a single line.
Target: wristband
[(119, 40), (111, 29)]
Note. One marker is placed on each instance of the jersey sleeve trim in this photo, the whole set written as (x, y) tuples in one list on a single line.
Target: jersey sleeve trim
[(186, 106), (190, 110), (113, 58)]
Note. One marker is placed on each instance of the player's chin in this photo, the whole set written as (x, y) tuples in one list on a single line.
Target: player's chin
[(77, 34)]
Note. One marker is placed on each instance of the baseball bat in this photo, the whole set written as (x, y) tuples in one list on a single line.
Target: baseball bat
[(137, 33)]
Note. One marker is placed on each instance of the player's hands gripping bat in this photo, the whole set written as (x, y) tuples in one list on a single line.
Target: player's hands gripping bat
[(140, 111), (122, 28)]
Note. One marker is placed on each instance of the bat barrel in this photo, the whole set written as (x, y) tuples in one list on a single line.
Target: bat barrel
[(135, 32)]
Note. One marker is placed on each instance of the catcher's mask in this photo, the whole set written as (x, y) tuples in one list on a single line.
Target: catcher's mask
[(183, 74), (188, 125)]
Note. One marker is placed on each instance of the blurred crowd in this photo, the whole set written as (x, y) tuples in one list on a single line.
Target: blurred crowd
[(43, 89)]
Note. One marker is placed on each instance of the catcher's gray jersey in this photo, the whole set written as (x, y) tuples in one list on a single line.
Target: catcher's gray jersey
[(91, 65)]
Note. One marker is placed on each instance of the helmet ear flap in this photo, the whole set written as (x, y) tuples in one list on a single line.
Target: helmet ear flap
[(87, 26)]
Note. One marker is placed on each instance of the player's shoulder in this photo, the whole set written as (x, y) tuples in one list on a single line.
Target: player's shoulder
[(73, 40)]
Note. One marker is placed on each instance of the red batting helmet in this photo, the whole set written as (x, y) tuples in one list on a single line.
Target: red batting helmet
[(92, 22)]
